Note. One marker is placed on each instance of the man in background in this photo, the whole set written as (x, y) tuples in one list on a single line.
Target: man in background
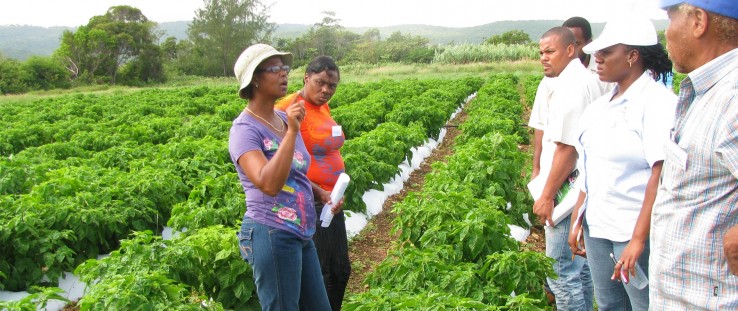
[(571, 88), (582, 31)]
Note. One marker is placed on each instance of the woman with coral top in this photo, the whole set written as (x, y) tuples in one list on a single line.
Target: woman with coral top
[(323, 138)]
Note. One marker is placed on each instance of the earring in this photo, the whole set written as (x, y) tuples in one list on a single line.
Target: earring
[(256, 85), (630, 64)]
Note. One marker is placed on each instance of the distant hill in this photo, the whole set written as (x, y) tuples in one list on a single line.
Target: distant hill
[(20, 42)]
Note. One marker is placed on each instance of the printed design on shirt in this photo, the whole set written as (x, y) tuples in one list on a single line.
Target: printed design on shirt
[(270, 144), (324, 160), (303, 212), (320, 153), (286, 213), (298, 160), (285, 210), (288, 189)]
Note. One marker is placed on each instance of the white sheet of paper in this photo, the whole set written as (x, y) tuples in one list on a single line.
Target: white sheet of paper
[(564, 208)]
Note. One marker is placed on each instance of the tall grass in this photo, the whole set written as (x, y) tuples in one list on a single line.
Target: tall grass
[(488, 53), (356, 72), (367, 73)]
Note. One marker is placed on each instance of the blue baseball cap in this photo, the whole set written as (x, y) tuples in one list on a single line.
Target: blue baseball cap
[(727, 8)]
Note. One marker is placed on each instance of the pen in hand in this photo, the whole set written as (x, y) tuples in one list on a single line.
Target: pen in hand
[(622, 275)]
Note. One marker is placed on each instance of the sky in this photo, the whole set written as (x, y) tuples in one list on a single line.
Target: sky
[(351, 13)]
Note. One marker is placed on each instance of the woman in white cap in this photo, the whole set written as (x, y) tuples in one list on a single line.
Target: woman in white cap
[(272, 163), (622, 135)]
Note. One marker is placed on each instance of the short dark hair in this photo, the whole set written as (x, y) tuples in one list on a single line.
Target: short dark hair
[(581, 23), (322, 63), (564, 34)]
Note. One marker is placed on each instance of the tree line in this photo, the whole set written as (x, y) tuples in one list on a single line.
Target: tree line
[(122, 47)]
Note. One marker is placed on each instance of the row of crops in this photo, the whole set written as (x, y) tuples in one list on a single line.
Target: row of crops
[(84, 175), (456, 252)]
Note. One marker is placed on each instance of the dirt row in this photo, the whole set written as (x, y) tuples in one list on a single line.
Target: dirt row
[(371, 246)]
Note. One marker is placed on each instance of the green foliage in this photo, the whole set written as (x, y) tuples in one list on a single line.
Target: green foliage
[(510, 37), (13, 79), (201, 263), (364, 115), (215, 200), (383, 299), (373, 158), (123, 37), (661, 35), (490, 167), (405, 278), (530, 85), (399, 48), (678, 77), (81, 172), (222, 30), (455, 230), (474, 53), (46, 73), (145, 290), (349, 93), (519, 272), (36, 300), (438, 270), (328, 37), (475, 227)]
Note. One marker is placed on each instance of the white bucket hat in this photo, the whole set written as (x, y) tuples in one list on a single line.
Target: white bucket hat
[(637, 31), (251, 58)]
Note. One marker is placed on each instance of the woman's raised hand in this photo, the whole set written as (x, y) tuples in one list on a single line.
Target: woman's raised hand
[(295, 115)]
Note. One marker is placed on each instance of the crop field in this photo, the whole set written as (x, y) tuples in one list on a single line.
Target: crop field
[(88, 174)]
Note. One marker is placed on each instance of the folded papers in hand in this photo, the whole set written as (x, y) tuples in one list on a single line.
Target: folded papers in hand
[(565, 198)]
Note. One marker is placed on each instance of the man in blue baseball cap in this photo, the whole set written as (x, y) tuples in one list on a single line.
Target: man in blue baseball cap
[(694, 224)]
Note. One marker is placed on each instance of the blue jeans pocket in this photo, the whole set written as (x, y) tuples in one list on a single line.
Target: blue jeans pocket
[(246, 244)]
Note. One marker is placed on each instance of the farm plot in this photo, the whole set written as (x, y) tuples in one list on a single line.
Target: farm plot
[(455, 250), (80, 173)]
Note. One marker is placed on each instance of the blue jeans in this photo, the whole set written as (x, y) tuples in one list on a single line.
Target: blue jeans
[(573, 288), (614, 295), (286, 268)]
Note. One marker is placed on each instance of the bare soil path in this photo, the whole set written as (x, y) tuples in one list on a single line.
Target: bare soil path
[(372, 244)]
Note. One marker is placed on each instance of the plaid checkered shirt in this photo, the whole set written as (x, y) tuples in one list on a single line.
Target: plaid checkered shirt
[(697, 200)]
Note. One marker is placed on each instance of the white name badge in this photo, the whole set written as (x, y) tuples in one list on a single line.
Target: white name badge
[(676, 154), (336, 129)]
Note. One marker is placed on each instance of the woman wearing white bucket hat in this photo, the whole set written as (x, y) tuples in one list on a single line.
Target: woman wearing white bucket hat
[(272, 162), (622, 135)]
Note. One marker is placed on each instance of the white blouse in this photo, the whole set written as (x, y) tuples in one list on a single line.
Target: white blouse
[(620, 141)]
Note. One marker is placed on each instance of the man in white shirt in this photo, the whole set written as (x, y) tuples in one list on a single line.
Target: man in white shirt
[(582, 31), (571, 87)]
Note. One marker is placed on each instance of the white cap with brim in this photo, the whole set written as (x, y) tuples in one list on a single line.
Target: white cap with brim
[(635, 31), (727, 8), (251, 58)]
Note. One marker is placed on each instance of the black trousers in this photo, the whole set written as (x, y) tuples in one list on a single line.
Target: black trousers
[(332, 246)]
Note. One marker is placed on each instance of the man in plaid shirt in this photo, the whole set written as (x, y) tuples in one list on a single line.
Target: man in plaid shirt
[(693, 249)]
